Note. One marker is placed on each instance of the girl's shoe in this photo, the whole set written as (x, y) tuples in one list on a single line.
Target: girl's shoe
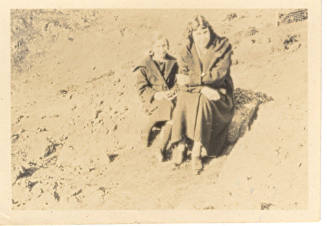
[(178, 154)]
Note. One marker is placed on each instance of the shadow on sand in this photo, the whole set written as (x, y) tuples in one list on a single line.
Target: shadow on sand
[(247, 103)]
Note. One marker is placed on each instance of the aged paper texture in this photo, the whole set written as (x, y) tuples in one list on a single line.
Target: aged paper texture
[(73, 112)]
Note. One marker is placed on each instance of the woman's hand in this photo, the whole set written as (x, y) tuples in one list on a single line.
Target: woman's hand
[(169, 95), (182, 79), (159, 95), (210, 93)]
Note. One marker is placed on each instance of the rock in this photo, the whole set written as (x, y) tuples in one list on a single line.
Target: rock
[(246, 106), (292, 17), (14, 138), (56, 196), (42, 129), (252, 31), (112, 157), (26, 172), (265, 206), (241, 121), (97, 113), (230, 16), (289, 41), (77, 193), (31, 184), (19, 118), (63, 92), (51, 149), (115, 127)]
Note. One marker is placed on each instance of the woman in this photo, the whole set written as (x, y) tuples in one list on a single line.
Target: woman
[(205, 106), (156, 78)]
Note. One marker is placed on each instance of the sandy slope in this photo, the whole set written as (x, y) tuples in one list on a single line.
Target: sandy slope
[(76, 118)]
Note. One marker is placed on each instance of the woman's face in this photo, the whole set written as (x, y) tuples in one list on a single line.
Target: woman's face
[(160, 48), (201, 36)]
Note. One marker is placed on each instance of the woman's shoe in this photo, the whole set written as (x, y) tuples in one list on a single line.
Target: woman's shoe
[(197, 165)]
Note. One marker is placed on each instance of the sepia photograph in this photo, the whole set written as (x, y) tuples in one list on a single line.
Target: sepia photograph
[(198, 109)]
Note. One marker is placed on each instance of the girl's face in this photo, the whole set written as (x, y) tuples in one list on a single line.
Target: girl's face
[(201, 36), (160, 48)]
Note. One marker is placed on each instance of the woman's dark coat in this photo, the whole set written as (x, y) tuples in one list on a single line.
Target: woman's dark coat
[(195, 116)]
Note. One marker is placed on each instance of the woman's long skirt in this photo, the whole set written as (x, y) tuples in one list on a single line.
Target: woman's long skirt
[(202, 120)]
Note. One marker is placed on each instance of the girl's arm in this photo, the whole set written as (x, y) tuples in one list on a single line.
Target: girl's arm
[(143, 86)]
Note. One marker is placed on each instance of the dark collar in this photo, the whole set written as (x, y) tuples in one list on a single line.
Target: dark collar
[(169, 61)]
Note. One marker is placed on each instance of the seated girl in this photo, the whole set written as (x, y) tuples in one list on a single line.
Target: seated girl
[(156, 78)]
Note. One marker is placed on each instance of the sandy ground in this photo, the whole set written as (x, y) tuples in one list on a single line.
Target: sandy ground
[(76, 118)]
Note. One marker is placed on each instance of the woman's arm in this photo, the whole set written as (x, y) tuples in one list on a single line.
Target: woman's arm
[(219, 70), (188, 79), (216, 73)]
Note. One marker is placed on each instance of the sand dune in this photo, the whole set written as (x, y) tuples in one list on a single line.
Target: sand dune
[(76, 118)]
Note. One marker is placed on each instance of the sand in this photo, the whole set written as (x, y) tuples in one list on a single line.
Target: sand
[(76, 117)]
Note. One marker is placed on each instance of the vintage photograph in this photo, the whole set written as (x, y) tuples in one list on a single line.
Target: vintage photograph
[(159, 109)]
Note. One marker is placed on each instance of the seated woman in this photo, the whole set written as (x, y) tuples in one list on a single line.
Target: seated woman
[(156, 78), (204, 107)]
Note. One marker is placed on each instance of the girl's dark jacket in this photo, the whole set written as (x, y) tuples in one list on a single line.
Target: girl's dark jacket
[(151, 80)]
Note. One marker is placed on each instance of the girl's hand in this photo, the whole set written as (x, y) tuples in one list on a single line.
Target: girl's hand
[(170, 95), (182, 79), (210, 93)]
